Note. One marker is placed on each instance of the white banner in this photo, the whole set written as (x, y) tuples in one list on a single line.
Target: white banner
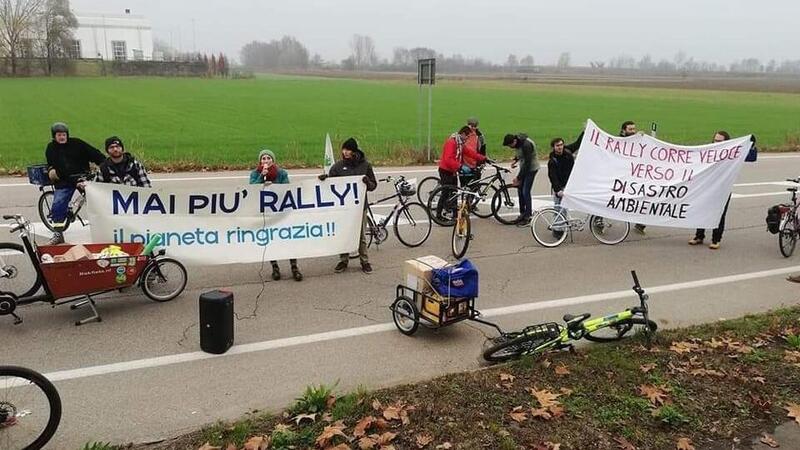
[(640, 179), (233, 224)]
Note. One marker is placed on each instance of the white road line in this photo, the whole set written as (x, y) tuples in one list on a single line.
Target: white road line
[(294, 341), (762, 194)]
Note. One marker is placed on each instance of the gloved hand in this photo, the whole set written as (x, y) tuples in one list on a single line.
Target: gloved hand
[(52, 175), (322, 176)]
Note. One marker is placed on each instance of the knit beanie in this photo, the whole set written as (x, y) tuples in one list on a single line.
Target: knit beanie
[(350, 144), (114, 140), (267, 152)]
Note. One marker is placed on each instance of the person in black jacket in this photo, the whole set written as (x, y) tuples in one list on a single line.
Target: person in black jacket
[(67, 159), (525, 155), (354, 162), (559, 167), (121, 167)]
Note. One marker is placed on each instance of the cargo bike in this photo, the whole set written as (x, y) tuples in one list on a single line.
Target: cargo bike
[(27, 268)]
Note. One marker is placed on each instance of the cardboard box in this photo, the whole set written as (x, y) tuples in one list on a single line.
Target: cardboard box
[(417, 272), (76, 253)]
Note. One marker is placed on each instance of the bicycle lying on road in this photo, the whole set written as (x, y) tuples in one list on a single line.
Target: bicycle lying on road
[(544, 337), (550, 227), (789, 230), (30, 409), (412, 223)]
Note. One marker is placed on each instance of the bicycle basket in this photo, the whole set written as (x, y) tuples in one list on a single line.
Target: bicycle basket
[(37, 175), (407, 189)]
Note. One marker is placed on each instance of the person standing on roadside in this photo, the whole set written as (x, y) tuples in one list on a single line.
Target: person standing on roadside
[(121, 167), (67, 159), (525, 155), (354, 162), (451, 163), (559, 168)]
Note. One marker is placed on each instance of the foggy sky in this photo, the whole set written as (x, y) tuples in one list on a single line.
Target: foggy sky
[(719, 31)]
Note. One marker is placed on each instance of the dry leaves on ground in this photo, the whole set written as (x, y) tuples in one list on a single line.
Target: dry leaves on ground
[(770, 441), (549, 407), (794, 411), (301, 417), (518, 415), (656, 394), (398, 411), (684, 347), (623, 444), (647, 367), (422, 440), (329, 433), (366, 423), (684, 444), (562, 370), (208, 446)]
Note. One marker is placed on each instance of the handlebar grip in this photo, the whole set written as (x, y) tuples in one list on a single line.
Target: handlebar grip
[(16, 228), (384, 179), (8, 217), (635, 278), (793, 180)]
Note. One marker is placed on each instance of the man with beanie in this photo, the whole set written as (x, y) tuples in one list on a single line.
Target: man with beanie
[(354, 162), (67, 159), (525, 154), (121, 167)]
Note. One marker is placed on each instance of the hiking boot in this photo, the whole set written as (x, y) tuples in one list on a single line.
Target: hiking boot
[(695, 241), (58, 238), (639, 228), (276, 272), (366, 267), (714, 246), (296, 274), (341, 267)]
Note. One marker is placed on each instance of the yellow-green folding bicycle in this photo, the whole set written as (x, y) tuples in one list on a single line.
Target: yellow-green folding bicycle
[(537, 339)]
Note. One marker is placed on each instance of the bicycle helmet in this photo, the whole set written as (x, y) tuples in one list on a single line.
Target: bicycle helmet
[(407, 189), (59, 127)]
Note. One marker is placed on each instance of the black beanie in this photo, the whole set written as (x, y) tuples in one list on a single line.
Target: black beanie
[(509, 139), (114, 140), (350, 144)]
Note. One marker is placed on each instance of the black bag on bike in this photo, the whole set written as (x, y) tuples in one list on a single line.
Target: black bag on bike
[(774, 214)]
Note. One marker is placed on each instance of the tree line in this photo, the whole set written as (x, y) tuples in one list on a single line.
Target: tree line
[(36, 29)]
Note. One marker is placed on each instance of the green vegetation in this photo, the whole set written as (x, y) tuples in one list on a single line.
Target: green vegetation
[(190, 123)]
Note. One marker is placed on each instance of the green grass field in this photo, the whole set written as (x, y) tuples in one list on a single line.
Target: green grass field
[(174, 123)]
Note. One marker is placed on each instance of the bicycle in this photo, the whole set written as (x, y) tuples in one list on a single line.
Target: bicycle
[(30, 409), (538, 339), (462, 225), (790, 225), (492, 188), (550, 227), (46, 203), (411, 217)]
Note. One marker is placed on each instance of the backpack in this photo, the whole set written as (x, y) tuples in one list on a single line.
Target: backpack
[(774, 215)]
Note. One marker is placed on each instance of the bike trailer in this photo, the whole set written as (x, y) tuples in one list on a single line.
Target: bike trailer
[(459, 280), (37, 174), (90, 275)]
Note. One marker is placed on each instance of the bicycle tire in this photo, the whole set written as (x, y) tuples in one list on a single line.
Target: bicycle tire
[(149, 278), (406, 324), (447, 219), (503, 203), (602, 235), (507, 349), (461, 236), (44, 208), (418, 218), (623, 328), (787, 236), (53, 402), (542, 227), (486, 191), (423, 191), (12, 258)]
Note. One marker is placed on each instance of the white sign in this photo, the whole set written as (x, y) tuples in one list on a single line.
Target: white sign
[(329, 159), (233, 224), (640, 179)]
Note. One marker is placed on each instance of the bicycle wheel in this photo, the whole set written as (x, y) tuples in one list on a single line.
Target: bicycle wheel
[(442, 205), (505, 206), (30, 409), (787, 236), (619, 330), (549, 227), (482, 206), (515, 345), (21, 278), (412, 224), (425, 187), (608, 231), (164, 280), (462, 231), (405, 315), (45, 205)]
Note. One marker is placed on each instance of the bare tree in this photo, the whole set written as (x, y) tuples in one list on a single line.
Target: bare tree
[(527, 61), (563, 60), (511, 61), (57, 23), (17, 21), (362, 50)]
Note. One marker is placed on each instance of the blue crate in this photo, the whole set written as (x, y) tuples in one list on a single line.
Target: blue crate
[(38, 175)]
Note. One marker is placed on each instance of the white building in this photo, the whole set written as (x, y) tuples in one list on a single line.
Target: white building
[(121, 37)]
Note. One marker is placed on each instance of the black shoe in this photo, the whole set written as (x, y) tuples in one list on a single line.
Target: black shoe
[(276, 273), (366, 267), (639, 228), (523, 221), (296, 274), (341, 267)]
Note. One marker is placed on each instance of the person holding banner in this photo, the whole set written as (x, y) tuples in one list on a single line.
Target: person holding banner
[(559, 167), (525, 154), (354, 162), (268, 172), (716, 234)]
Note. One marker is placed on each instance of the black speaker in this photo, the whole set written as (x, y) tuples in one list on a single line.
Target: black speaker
[(216, 321)]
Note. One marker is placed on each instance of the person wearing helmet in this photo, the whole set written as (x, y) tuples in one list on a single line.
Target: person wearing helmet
[(121, 167), (67, 159)]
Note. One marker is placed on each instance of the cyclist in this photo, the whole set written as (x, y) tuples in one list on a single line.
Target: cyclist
[(67, 157), (525, 154), (354, 162), (452, 164), (121, 167), (476, 142), (269, 172), (559, 168)]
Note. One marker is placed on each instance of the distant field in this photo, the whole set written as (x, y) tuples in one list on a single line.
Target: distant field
[(176, 123)]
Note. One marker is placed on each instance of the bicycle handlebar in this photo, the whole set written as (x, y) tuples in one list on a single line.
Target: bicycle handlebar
[(635, 279), (11, 216), (390, 179), (794, 180)]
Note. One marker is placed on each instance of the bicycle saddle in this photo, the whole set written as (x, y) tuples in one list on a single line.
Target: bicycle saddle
[(577, 319)]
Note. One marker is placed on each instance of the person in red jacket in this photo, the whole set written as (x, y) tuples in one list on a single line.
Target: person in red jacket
[(452, 160)]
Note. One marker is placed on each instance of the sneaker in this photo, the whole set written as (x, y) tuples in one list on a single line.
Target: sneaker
[(639, 228), (695, 241), (366, 267), (341, 267), (793, 278), (296, 274), (58, 238), (714, 246)]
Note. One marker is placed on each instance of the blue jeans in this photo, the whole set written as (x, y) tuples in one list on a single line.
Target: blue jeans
[(60, 208), (524, 188)]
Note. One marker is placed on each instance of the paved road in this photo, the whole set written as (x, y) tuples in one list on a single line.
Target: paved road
[(139, 375)]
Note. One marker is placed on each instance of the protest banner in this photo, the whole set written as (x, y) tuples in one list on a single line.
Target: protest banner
[(641, 179), (253, 223)]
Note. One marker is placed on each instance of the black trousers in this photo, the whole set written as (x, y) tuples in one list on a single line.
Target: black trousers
[(716, 234)]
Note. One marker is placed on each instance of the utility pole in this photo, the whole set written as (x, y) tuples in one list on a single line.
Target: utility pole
[(194, 38)]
